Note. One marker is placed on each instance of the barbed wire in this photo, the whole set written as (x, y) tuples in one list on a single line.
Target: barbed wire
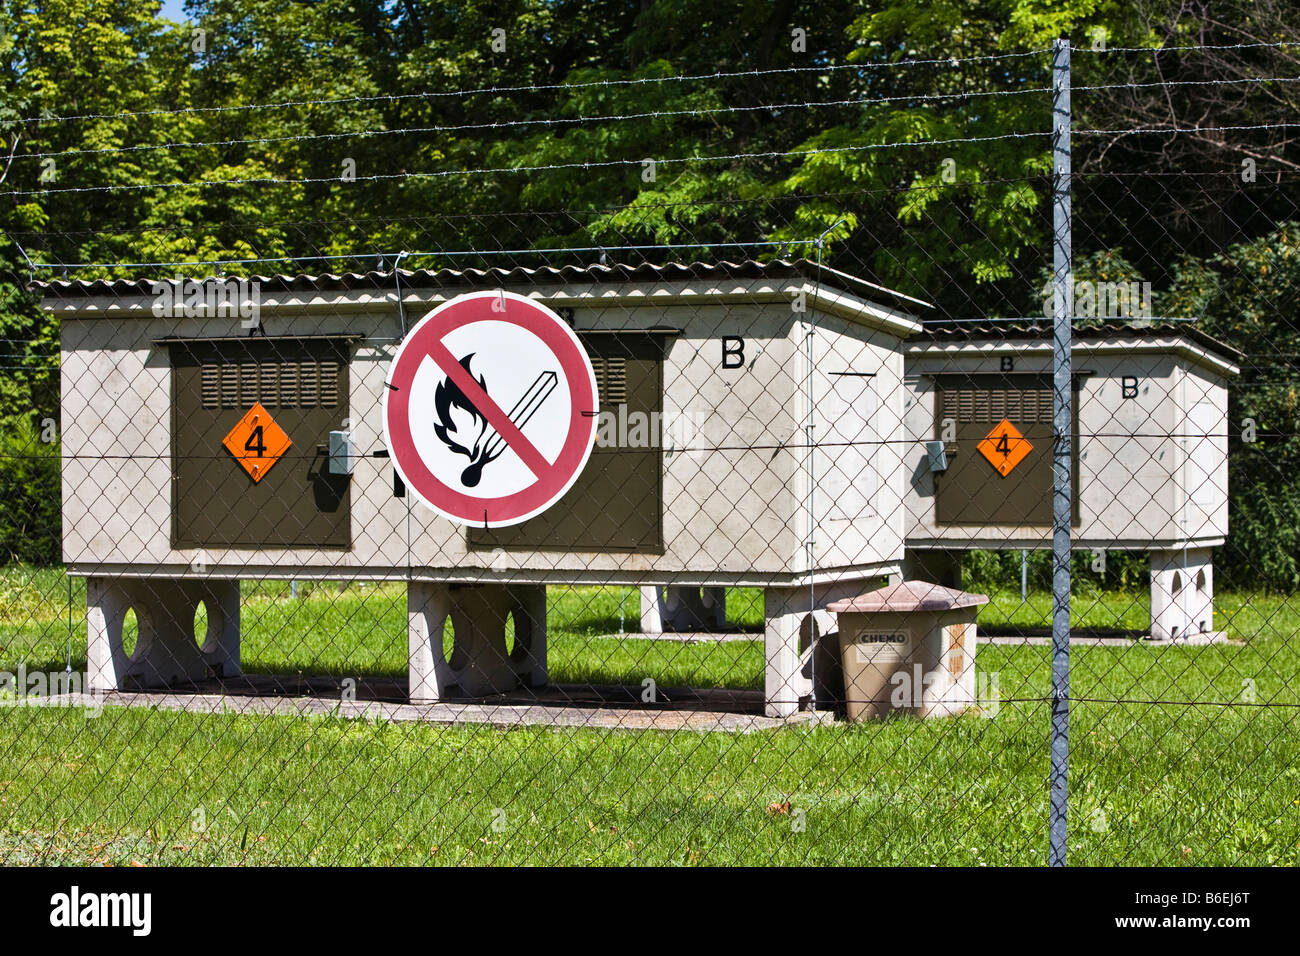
[(376, 254), (553, 167), (1165, 84), (688, 448), (1167, 173), (358, 135), (1084, 131), (1189, 48), (545, 87), (510, 124), (571, 212)]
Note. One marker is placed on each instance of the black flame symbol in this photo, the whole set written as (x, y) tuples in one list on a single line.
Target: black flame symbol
[(467, 437)]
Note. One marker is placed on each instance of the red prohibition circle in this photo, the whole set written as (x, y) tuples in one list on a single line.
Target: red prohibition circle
[(426, 339)]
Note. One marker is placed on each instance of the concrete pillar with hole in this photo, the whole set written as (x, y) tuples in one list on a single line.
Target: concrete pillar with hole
[(480, 663), (167, 650), (679, 609), (1182, 594), (801, 645)]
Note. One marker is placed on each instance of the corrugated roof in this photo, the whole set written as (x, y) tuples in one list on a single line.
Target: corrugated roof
[(947, 330), (517, 275)]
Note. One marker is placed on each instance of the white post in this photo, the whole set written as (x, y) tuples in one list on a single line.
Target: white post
[(428, 605), (651, 620)]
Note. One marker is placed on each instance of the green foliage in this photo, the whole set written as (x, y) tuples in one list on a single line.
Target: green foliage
[(962, 224), (31, 520), (1246, 296), (991, 571)]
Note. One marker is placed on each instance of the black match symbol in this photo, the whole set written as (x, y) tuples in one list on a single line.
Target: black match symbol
[(463, 429)]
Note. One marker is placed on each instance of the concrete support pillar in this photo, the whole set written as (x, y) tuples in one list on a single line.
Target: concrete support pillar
[(167, 651), (528, 656), (221, 648), (428, 605), (480, 663), (1182, 593), (682, 609), (793, 636), (1200, 596), (652, 621), (713, 608)]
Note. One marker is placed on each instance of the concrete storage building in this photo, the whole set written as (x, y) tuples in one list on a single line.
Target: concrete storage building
[(1151, 433), (1150, 473), (926, 441), (710, 361)]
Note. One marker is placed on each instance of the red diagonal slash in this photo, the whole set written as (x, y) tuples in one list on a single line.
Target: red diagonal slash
[(489, 409)]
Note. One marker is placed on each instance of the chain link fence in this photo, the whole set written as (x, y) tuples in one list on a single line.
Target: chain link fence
[(764, 566)]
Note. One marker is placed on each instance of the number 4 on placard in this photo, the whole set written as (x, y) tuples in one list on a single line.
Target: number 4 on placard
[(257, 444)]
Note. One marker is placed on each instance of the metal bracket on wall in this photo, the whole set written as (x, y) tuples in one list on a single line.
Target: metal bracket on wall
[(399, 486)]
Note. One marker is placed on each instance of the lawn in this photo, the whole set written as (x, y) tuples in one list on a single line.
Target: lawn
[(1179, 754)]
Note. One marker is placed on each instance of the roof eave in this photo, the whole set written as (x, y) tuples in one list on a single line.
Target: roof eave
[(1181, 345), (571, 294)]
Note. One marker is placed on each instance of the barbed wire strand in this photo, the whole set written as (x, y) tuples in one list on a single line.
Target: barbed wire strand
[(552, 167), (544, 87), (510, 124)]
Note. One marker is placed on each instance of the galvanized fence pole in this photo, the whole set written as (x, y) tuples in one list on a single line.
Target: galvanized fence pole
[(1062, 314)]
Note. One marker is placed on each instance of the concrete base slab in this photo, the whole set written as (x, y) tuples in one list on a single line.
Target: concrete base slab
[(1113, 640), (692, 637), (596, 706), (1202, 637)]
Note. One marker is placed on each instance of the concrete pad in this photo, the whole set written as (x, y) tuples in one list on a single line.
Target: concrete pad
[(690, 637), (607, 707), (1113, 640)]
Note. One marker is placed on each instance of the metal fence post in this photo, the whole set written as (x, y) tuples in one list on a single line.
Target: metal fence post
[(1062, 315)]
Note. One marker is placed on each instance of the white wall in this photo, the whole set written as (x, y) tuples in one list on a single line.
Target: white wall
[(858, 468)]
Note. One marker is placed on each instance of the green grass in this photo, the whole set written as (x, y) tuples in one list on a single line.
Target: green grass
[(1170, 762), (1152, 785)]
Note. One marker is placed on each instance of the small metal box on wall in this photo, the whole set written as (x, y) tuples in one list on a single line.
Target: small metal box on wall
[(251, 423)]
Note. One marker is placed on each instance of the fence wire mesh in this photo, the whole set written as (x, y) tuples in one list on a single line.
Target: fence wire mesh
[(795, 604)]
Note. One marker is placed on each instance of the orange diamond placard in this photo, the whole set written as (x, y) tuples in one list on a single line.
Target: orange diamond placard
[(257, 442), (1005, 447)]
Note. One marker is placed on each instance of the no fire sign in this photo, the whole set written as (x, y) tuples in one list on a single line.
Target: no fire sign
[(490, 409)]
